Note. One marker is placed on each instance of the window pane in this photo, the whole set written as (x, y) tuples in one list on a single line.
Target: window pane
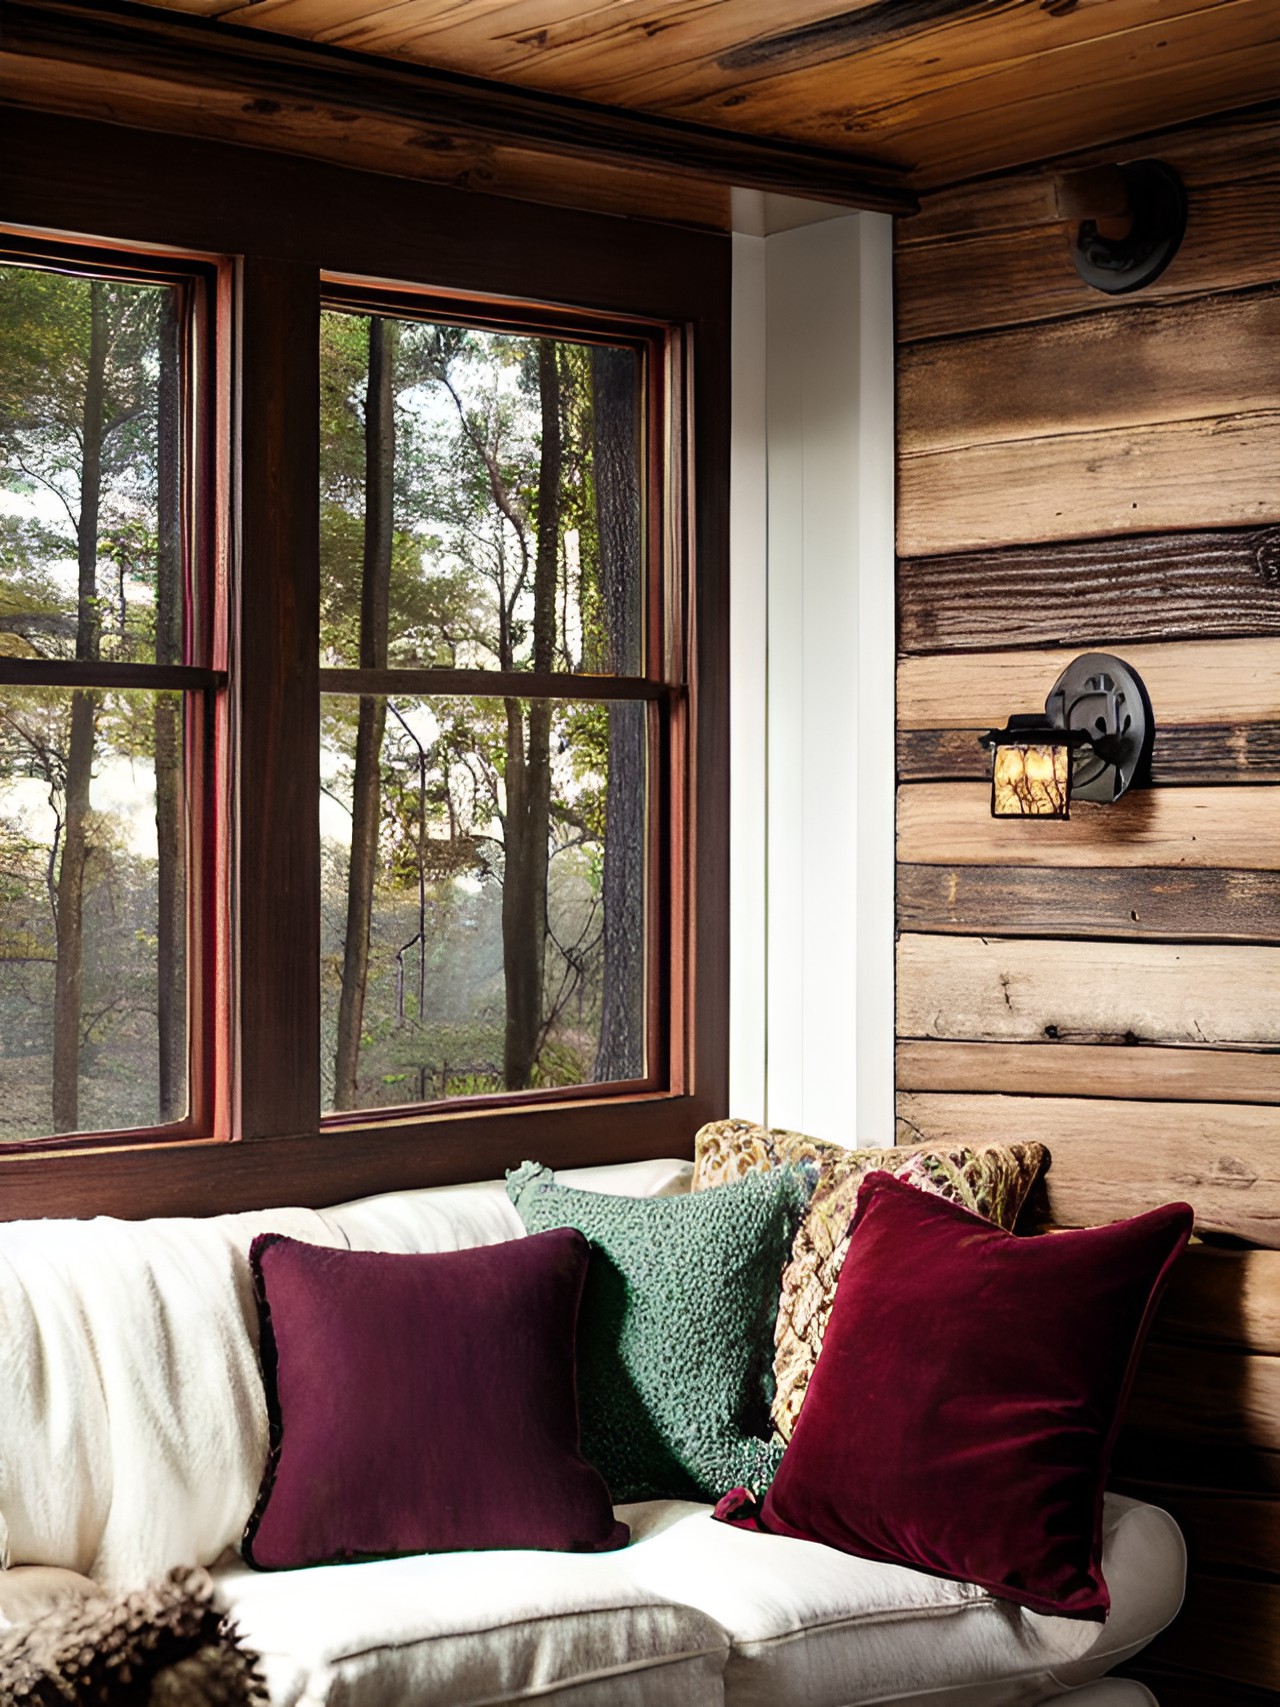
[(506, 934), (90, 530), (93, 953), (481, 499)]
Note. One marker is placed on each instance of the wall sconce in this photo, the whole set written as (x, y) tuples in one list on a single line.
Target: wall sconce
[(1093, 739), (1124, 222)]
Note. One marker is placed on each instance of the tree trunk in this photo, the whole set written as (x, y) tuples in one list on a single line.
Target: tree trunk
[(68, 993), (616, 465), (171, 933), (366, 787), (528, 772)]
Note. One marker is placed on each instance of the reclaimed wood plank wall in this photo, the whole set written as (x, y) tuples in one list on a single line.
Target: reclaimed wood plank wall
[(1079, 472)]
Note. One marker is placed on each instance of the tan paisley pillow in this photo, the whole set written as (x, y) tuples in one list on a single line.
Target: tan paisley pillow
[(992, 1180)]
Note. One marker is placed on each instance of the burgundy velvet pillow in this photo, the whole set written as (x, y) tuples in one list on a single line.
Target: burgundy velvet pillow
[(422, 1403), (961, 1415)]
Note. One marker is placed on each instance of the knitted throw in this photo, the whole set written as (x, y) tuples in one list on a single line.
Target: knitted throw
[(167, 1645)]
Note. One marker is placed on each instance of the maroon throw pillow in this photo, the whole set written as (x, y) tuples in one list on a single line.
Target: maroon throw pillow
[(422, 1403), (962, 1412)]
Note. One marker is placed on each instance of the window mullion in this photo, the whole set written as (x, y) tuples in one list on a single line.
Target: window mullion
[(277, 891)]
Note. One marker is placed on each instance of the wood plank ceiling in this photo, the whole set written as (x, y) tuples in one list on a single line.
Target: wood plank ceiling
[(936, 90)]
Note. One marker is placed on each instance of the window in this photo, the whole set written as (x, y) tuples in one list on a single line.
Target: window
[(410, 649), (107, 699), (494, 708)]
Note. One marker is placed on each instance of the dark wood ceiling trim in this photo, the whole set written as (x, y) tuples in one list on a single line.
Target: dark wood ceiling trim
[(869, 26), (263, 67)]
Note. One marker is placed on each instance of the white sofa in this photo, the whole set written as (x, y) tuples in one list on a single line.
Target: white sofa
[(133, 1435)]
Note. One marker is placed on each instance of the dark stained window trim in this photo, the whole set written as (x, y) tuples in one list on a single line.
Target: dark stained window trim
[(197, 280), (289, 222), (667, 572)]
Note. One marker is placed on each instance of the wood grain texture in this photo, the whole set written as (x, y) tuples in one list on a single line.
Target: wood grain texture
[(276, 722), (1074, 470), (1206, 752), (1101, 592), (1082, 1069), (1223, 1531), (1190, 683), (408, 147), (768, 69), (1211, 471), (1012, 118), (210, 1178), (1139, 366), (944, 91), (1142, 1456), (979, 256), (1223, 1399), (1009, 989), (687, 49), (194, 194), (956, 100), (1175, 1686), (207, 53), (1220, 1297), (1230, 1624), (1139, 903), (950, 823), (1116, 1158)]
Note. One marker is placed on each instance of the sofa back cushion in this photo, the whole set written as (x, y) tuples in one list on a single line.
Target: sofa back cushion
[(133, 1426)]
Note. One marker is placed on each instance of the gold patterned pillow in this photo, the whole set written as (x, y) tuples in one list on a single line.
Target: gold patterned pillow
[(992, 1181)]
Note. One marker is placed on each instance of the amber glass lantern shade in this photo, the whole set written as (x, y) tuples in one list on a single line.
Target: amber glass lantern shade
[(1031, 780), (1031, 768)]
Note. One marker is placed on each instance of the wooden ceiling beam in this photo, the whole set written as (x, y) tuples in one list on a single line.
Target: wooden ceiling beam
[(260, 68)]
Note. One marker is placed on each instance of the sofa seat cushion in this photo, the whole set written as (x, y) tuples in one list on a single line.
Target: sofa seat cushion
[(813, 1627), (461, 1629), (692, 1612)]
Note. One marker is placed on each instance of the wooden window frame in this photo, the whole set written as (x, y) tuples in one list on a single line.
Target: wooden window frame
[(660, 684), (291, 229), (201, 677)]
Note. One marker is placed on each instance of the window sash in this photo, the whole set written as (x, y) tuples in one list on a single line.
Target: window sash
[(665, 573), (204, 686)]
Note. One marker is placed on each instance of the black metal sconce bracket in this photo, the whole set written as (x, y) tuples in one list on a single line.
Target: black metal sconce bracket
[(1127, 222)]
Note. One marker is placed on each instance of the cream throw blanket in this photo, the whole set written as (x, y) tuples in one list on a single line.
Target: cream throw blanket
[(133, 1430)]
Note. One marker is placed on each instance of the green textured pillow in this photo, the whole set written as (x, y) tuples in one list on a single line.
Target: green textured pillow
[(675, 1334)]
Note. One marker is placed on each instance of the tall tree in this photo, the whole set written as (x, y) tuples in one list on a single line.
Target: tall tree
[(171, 897), (620, 1053), (68, 998), (92, 569), (380, 459), (527, 822)]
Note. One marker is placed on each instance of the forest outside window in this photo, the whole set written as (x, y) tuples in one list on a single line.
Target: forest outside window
[(496, 743), (108, 697)]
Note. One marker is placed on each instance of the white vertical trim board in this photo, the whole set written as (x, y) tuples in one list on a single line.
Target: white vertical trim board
[(811, 1020), (876, 714), (748, 654)]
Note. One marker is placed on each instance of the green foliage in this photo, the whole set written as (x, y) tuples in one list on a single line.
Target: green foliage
[(468, 460), (46, 320)]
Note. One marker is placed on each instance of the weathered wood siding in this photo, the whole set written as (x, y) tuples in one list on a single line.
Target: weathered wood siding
[(1081, 473)]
